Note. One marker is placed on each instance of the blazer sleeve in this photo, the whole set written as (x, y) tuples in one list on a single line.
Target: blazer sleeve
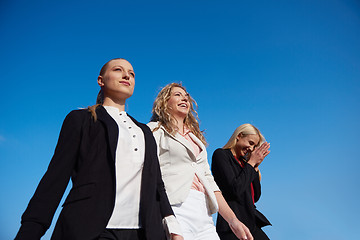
[(210, 177), (42, 206), (257, 187), (229, 181)]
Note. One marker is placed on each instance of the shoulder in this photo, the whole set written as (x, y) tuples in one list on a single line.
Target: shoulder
[(156, 125), (152, 125), (221, 154), (220, 151), (77, 115), (159, 133)]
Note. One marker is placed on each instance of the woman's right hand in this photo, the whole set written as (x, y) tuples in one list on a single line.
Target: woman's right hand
[(258, 155), (176, 237), (240, 230)]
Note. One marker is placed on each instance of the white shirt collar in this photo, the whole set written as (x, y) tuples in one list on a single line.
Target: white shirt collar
[(114, 110)]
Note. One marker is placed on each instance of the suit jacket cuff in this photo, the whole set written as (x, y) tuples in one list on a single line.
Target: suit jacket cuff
[(171, 226)]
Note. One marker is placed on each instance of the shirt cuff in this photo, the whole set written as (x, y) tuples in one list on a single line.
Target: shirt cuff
[(171, 226)]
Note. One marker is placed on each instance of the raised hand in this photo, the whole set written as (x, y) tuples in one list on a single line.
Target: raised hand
[(258, 155)]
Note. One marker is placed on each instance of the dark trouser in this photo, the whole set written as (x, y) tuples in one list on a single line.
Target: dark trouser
[(123, 234), (258, 234)]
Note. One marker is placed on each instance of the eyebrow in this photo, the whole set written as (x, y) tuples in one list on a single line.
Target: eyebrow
[(186, 94), (131, 70)]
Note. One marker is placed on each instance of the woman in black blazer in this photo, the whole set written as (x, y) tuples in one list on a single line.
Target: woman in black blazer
[(236, 171), (87, 154)]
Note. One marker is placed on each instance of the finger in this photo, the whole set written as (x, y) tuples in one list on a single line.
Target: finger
[(263, 145), (267, 153), (239, 232), (267, 146), (248, 234)]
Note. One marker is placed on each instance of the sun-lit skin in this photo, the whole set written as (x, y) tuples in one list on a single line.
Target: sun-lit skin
[(245, 146), (117, 83), (179, 106)]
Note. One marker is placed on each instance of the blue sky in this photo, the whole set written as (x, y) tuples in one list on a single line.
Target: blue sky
[(291, 68)]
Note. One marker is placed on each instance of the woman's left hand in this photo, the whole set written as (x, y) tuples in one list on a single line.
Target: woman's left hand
[(258, 155)]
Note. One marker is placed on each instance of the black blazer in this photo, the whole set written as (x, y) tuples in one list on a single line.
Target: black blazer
[(234, 182), (85, 152)]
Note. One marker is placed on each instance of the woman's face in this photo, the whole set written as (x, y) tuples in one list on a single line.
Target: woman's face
[(246, 144), (178, 103), (118, 81)]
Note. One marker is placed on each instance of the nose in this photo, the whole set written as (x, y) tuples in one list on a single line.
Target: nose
[(251, 148), (126, 75), (185, 98)]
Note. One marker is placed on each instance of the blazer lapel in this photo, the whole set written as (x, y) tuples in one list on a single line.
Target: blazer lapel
[(182, 140), (112, 129), (199, 143)]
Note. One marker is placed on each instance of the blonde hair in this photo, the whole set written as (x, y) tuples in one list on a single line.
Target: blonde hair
[(161, 113), (244, 129)]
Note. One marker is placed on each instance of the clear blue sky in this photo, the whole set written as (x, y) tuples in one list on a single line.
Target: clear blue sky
[(291, 68)]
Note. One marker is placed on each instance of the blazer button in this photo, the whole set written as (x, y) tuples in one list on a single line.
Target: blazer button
[(193, 164)]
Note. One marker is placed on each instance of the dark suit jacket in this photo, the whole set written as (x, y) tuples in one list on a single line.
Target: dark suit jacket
[(85, 152), (234, 182)]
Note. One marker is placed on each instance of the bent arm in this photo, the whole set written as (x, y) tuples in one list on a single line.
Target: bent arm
[(227, 178)]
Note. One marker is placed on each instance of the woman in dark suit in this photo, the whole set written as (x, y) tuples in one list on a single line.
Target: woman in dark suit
[(117, 191), (236, 171)]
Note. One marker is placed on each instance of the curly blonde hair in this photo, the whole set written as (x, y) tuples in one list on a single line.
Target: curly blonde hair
[(161, 113)]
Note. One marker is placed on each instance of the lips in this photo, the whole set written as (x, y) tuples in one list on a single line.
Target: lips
[(184, 105), (125, 83)]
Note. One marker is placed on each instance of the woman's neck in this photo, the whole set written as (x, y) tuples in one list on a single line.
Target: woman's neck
[(233, 151), (180, 124), (119, 103)]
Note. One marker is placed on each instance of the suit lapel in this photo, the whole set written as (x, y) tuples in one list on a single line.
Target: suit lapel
[(199, 143), (112, 128), (182, 140)]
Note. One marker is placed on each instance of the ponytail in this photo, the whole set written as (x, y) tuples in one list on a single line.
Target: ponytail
[(99, 102)]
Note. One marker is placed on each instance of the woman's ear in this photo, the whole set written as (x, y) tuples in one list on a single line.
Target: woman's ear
[(100, 81), (239, 136)]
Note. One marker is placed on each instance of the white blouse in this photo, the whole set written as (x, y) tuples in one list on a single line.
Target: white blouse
[(129, 161)]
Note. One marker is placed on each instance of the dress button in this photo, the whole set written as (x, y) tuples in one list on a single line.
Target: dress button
[(124, 121), (135, 149), (129, 127), (134, 136)]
